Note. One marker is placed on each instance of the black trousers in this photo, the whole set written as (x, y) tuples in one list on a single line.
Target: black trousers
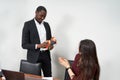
[(45, 60)]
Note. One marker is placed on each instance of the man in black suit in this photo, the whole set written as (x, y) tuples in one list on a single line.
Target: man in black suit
[(35, 34)]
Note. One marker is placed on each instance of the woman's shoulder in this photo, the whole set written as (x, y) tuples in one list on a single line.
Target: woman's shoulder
[(78, 55)]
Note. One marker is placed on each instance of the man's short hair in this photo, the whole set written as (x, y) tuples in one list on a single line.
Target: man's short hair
[(39, 8)]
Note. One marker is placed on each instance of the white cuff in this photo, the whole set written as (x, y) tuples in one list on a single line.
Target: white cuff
[(35, 46)]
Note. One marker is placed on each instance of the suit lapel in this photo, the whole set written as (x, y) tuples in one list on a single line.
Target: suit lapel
[(35, 31), (46, 28)]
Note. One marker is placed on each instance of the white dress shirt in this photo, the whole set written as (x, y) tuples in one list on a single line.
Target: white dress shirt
[(41, 32)]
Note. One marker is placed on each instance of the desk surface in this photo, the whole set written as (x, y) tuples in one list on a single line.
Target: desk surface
[(32, 77), (25, 76), (35, 77), (0, 78)]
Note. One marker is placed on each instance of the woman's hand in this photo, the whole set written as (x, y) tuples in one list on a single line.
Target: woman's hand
[(64, 62)]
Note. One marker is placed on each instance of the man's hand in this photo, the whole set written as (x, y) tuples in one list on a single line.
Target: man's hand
[(43, 45), (48, 44), (51, 47)]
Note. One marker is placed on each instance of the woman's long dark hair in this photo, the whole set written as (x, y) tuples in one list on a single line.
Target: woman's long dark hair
[(88, 63)]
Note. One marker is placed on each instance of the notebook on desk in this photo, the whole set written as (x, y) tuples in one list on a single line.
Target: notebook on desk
[(12, 75)]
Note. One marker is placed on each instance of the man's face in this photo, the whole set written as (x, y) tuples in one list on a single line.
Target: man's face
[(40, 16)]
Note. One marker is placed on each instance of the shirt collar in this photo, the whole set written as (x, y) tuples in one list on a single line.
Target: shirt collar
[(38, 22)]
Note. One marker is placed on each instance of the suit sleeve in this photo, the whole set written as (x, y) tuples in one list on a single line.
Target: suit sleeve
[(26, 38)]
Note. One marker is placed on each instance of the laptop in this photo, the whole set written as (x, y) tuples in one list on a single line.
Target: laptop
[(13, 75)]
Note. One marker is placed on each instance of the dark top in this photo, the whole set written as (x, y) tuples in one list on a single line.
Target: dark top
[(75, 68), (77, 71)]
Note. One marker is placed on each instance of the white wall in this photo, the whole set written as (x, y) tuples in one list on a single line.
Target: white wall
[(70, 21)]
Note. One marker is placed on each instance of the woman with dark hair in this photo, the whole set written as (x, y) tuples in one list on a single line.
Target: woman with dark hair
[(85, 65)]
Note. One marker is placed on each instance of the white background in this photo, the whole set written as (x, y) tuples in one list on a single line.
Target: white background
[(70, 21)]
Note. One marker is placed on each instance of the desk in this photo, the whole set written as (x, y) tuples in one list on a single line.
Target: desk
[(14, 75), (35, 77), (32, 77)]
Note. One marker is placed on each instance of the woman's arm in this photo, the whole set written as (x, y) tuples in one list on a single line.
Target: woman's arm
[(71, 74), (64, 62)]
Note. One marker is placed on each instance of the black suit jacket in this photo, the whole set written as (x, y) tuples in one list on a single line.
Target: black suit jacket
[(30, 37)]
